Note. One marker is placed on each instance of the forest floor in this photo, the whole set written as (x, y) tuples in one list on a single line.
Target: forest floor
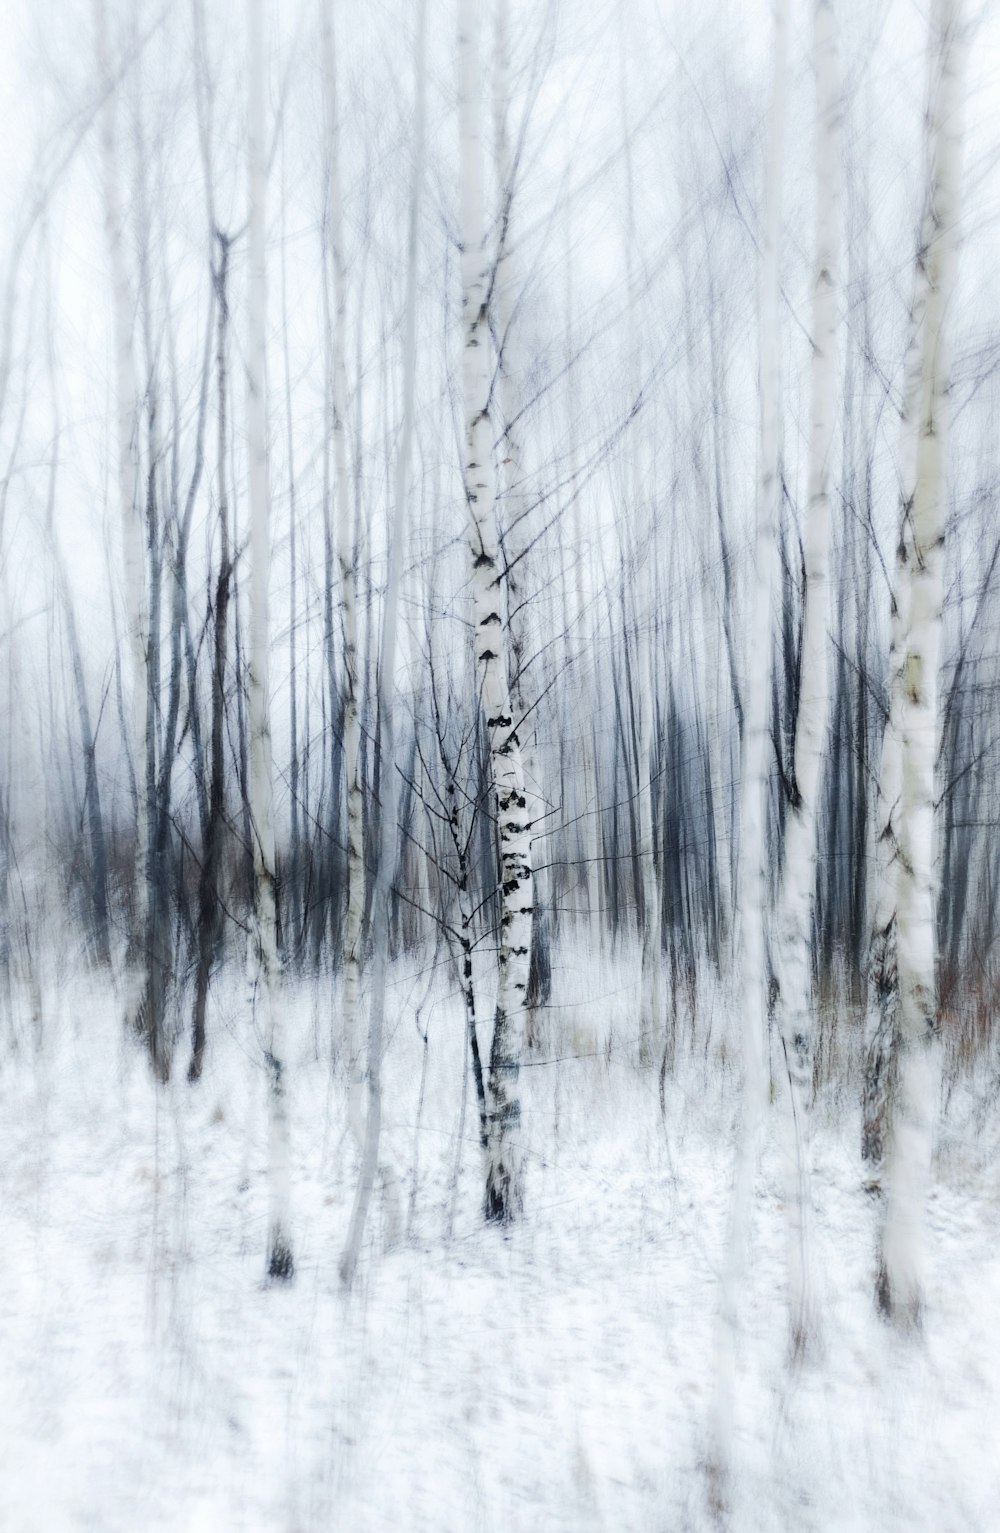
[(558, 1377)]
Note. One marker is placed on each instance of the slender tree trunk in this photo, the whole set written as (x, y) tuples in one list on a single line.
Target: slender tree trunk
[(640, 664), (900, 1275), (504, 1189), (515, 503), (346, 558), (133, 566), (795, 930), (91, 784), (209, 911), (325, 917), (388, 858), (100, 936), (651, 1012), (460, 847), (883, 1020), (293, 903), (752, 880), (160, 764), (881, 1051), (585, 779), (280, 1264)]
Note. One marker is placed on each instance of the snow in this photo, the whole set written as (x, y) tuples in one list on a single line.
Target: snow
[(559, 1377)]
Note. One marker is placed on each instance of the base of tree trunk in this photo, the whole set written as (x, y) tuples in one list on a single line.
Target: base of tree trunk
[(906, 1315), (503, 1203), (280, 1263), (151, 1033), (805, 1345), (717, 1491)]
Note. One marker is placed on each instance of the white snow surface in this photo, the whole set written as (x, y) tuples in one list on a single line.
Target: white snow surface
[(559, 1376)]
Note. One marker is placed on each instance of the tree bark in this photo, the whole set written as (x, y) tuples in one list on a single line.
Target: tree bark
[(388, 829), (133, 564), (796, 1007), (752, 879), (280, 1264), (515, 508), (209, 913), (504, 1170), (900, 1273), (346, 559)]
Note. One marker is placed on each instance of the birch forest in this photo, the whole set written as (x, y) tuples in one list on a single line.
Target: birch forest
[(500, 697)]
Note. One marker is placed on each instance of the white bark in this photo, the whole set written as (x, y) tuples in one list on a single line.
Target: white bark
[(883, 1022), (388, 847), (752, 874), (504, 1194), (130, 508), (279, 1248), (515, 499), (794, 947), (900, 1283), (345, 559)]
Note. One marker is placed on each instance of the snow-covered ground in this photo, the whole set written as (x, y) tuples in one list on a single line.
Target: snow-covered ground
[(559, 1377)]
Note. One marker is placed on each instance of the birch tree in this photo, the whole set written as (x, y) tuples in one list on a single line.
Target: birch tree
[(504, 1190), (388, 827), (345, 556), (515, 501), (209, 875), (130, 510), (883, 974), (209, 909), (280, 1264), (881, 1054), (900, 1276), (752, 873), (794, 947)]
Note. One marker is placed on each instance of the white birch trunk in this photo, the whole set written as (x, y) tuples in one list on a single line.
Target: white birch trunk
[(504, 1192), (515, 503), (279, 1249), (130, 509), (388, 839), (346, 562), (900, 1279), (794, 946), (883, 1022), (752, 872)]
